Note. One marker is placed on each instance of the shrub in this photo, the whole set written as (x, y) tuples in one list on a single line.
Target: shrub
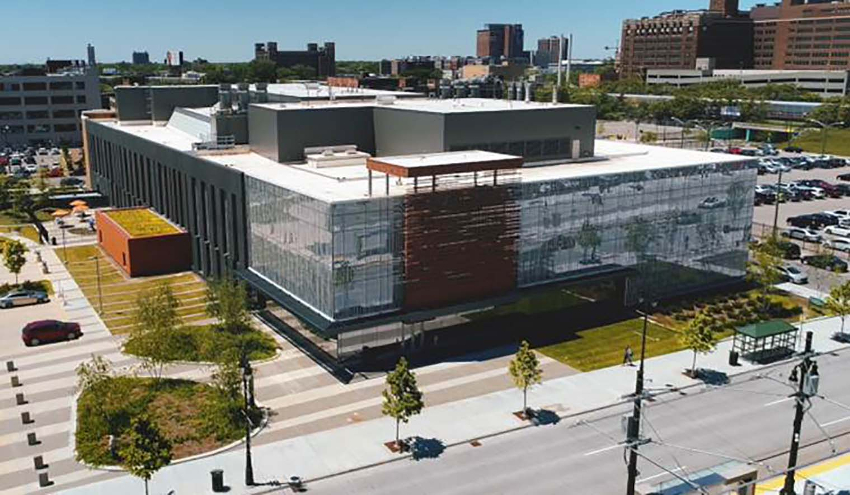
[(42, 285), (208, 344)]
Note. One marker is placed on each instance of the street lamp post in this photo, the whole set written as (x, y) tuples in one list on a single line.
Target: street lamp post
[(247, 389), (97, 270), (824, 130)]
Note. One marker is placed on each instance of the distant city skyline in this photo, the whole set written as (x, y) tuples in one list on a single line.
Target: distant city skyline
[(215, 31)]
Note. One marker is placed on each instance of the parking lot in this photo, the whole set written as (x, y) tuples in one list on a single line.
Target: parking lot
[(763, 218)]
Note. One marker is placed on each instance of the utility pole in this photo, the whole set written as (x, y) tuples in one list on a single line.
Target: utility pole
[(807, 374), (633, 439)]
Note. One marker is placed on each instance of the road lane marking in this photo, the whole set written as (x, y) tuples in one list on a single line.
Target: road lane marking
[(837, 421), (672, 471), (605, 449), (780, 401)]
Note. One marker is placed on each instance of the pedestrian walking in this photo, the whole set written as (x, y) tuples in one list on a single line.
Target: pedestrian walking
[(627, 356)]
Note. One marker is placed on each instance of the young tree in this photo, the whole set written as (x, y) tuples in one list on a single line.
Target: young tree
[(145, 450), (699, 336), (525, 371), (839, 301), (227, 301), (155, 318), (14, 257), (589, 239), (765, 269), (402, 397)]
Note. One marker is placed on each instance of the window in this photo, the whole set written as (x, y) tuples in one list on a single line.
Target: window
[(61, 85), (38, 114), (35, 86), (35, 100), (65, 127), (81, 98), (63, 100), (80, 85), (38, 128), (64, 114), (10, 87), (10, 101), (11, 115)]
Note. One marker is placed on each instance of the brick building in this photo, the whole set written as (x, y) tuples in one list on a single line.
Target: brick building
[(798, 35), (497, 41), (675, 40)]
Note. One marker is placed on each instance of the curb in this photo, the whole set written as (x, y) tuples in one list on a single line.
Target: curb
[(706, 388)]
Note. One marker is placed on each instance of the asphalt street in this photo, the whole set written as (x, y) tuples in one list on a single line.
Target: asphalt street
[(749, 419)]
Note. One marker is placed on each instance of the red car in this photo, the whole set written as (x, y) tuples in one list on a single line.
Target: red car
[(734, 151), (38, 332)]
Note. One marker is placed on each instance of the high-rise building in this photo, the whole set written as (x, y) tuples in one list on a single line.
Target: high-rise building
[(141, 58), (675, 40), (800, 35), (547, 51), (174, 58), (92, 60), (322, 60), (497, 41)]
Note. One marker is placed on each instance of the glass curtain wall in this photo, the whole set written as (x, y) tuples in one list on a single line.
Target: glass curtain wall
[(679, 228)]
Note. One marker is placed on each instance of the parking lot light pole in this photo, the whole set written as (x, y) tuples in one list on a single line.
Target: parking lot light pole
[(776, 206)]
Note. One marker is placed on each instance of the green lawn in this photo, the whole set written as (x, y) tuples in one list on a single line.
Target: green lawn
[(141, 222), (120, 292), (604, 346), (207, 343), (838, 142), (194, 417)]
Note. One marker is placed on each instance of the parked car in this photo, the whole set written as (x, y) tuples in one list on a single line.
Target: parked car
[(828, 188), (712, 203), (807, 235), (812, 220), (793, 149), (23, 298), (788, 250), (839, 244), (837, 231), (793, 274), (844, 177), (38, 332), (70, 181), (826, 262), (735, 150), (751, 152)]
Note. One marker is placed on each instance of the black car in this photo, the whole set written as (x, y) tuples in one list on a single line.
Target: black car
[(844, 189), (812, 220), (844, 177), (788, 249), (826, 262), (793, 149)]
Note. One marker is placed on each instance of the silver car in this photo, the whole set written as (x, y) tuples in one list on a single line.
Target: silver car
[(23, 298)]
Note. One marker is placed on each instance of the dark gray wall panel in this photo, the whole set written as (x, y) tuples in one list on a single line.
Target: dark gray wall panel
[(403, 132)]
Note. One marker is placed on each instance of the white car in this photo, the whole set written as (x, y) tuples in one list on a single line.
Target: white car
[(838, 244), (711, 203), (794, 274), (31, 168), (807, 235), (837, 231), (840, 214)]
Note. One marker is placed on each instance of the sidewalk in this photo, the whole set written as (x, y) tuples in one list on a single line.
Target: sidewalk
[(361, 444)]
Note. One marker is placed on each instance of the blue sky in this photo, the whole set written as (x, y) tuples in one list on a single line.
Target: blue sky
[(220, 31)]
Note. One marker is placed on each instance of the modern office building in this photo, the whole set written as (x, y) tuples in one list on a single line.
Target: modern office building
[(500, 41), (675, 40), (322, 60), (141, 58), (41, 106), (802, 35), (826, 82), (375, 222)]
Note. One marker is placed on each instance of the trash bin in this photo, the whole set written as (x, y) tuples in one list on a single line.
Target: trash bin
[(217, 476), (53, 241), (733, 358)]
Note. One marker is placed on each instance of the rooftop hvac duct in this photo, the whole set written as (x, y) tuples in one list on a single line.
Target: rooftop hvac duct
[(244, 100), (262, 86), (225, 100), (242, 86)]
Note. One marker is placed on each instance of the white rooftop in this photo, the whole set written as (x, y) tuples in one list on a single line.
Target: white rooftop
[(350, 183), (464, 105), (322, 91), (437, 159)]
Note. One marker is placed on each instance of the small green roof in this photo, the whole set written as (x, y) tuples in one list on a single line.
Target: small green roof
[(766, 329)]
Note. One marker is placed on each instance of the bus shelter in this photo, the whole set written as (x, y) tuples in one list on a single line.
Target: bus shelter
[(765, 341)]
